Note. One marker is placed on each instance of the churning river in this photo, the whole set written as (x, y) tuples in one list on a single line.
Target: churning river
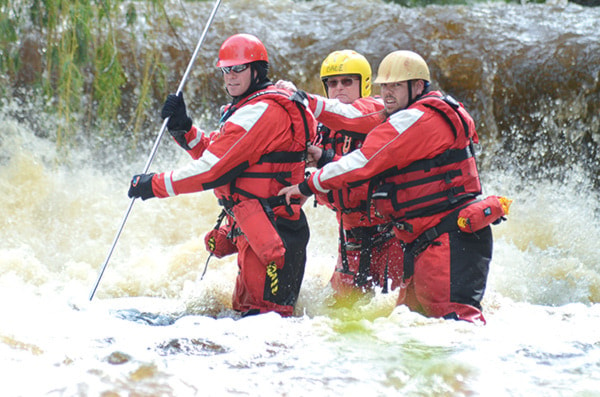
[(529, 74)]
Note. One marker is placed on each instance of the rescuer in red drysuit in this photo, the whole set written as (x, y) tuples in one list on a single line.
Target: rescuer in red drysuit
[(369, 253), (259, 148), (421, 166)]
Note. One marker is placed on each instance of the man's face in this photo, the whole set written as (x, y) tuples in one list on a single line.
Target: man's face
[(394, 95), (236, 83), (345, 88)]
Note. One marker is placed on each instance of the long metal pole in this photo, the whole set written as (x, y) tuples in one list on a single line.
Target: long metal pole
[(156, 143)]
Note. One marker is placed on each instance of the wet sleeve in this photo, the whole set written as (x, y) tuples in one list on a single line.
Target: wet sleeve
[(236, 147), (395, 143), (361, 116), (197, 141)]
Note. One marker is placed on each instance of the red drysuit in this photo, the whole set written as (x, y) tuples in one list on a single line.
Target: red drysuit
[(369, 254), (259, 148), (421, 162)]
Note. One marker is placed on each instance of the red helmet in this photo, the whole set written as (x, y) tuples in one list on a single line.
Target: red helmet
[(240, 49)]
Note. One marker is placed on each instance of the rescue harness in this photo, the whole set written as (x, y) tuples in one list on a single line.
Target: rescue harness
[(282, 157), (415, 190)]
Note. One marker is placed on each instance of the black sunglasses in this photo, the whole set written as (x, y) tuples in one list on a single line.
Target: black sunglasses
[(346, 82), (235, 68)]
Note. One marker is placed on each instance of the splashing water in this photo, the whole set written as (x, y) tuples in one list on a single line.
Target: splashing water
[(155, 328)]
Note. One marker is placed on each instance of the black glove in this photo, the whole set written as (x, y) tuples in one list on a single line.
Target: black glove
[(300, 97), (179, 122), (326, 158), (141, 186)]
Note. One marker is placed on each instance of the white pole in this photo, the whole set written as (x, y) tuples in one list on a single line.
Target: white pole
[(156, 143)]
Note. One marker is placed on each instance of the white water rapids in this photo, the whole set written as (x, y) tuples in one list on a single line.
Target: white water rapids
[(58, 222), (155, 329)]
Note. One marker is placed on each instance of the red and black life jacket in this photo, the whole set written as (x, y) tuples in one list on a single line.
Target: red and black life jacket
[(346, 200), (285, 167), (431, 186), (341, 141)]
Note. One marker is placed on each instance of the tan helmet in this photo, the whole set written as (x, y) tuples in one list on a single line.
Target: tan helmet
[(402, 66), (347, 62)]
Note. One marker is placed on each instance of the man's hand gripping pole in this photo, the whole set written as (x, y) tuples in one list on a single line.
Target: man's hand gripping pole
[(156, 143)]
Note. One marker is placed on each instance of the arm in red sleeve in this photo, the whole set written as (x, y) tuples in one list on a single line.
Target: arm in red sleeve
[(360, 116), (240, 143), (406, 137), (197, 141)]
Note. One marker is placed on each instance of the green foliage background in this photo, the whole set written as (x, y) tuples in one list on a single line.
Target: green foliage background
[(72, 52), (83, 59)]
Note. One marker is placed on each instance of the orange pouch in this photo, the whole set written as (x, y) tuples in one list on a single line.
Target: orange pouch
[(260, 231), (483, 213)]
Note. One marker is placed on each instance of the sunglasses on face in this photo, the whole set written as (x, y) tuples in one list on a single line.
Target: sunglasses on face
[(346, 82), (235, 68)]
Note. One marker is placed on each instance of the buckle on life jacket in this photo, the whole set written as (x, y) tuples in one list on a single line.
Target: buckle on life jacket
[(451, 101), (228, 203), (378, 235), (277, 201), (454, 194), (403, 225), (384, 191)]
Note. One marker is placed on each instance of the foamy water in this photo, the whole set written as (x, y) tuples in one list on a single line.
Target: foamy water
[(154, 328)]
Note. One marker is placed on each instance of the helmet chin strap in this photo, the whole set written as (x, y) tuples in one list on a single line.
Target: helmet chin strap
[(410, 100), (259, 81)]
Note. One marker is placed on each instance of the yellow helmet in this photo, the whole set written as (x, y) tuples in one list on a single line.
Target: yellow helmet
[(347, 62), (402, 66)]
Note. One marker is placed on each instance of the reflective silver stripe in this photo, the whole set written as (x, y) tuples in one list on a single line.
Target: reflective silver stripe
[(194, 142), (315, 179), (320, 106), (404, 119), (196, 167), (401, 121), (355, 160), (342, 109), (348, 163), (248, 115), (169, 185)]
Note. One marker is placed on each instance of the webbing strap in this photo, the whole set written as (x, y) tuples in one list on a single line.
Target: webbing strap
[(364, 264), (447, 224), (283, 157), (343, 248)]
